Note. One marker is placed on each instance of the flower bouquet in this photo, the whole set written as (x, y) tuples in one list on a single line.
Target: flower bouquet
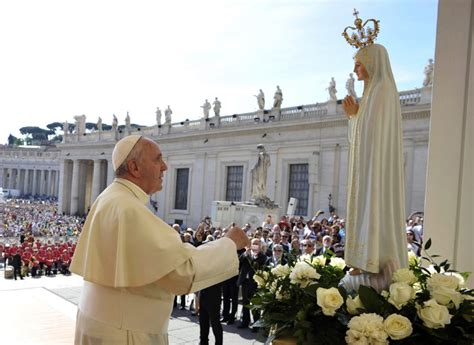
[(423, 305)]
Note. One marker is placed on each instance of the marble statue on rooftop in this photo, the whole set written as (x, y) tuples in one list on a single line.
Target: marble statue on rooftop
[(350, 86), (158, 116), (66, 128), (332, 90), (127, 121), (278, 98), (168, 113), (80, 124), (217, 107), (429, 69), (115, 123), (206, 107), (261, 100), (99, 124)]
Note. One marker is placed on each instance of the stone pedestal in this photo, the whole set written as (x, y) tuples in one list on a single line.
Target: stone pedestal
[(224, 213), (259, 115), (332, 106), (426, 94)]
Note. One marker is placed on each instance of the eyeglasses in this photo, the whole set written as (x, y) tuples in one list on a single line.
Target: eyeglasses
[(307, 245), (277, 250), (284, 237)]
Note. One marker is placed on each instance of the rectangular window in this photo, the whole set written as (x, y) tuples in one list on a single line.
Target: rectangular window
[(299, 187), (235, 175), (181, 195)]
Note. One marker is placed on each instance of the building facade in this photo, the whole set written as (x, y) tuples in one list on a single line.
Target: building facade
[(29, 171), (211, 159)]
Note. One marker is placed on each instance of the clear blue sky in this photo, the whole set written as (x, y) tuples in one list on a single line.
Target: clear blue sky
[(65, 58)]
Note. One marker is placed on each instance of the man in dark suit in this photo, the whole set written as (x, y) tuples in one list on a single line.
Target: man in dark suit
[(16, 263), (327, 241), (277, 257), (230, 292), (209, 313), (253, 259)]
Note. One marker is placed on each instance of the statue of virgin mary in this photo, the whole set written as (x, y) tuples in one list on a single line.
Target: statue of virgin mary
[(375, 222)]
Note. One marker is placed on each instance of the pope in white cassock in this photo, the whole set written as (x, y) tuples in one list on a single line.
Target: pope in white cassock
[(133, 263), (375, 238)]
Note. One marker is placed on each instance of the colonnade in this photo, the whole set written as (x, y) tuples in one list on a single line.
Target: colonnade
[(83, 180), (31, 181)]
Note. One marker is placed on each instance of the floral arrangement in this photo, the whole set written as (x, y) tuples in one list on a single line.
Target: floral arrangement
[(423, 305)]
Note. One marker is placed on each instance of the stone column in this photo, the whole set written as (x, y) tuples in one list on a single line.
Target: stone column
[(61, 186), (96, 180), (26, 188), (16, 181), (41, 183), (450, 178), (58, 179), (110, 172), (75, 187), (35, 182), (50, 183), (10, 178), (2, 178)]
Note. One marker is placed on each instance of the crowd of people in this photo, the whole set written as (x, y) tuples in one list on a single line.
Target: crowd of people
[(35, 240), (272, 243)]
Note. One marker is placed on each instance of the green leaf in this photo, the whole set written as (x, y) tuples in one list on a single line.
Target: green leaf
[(428, 244), (371, 299)]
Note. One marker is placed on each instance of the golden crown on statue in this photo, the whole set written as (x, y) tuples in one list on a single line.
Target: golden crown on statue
[(361, 36)]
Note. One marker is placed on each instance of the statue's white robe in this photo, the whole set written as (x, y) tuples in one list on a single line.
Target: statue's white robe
[(133, 265), (375, 222)]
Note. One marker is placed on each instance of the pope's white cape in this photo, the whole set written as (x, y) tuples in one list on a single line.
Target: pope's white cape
[(123, 244)]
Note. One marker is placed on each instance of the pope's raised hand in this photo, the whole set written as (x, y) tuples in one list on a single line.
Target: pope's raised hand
[(239, 237)]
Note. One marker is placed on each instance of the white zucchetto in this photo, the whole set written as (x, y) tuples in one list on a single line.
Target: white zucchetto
[(122, 149)]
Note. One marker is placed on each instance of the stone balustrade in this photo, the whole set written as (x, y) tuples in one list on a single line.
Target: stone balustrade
[(322, 111)]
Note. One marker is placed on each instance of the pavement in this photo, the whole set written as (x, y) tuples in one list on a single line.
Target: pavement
[(57, 297)]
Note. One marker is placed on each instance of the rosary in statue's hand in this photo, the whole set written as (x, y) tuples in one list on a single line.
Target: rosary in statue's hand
[(351, 107)]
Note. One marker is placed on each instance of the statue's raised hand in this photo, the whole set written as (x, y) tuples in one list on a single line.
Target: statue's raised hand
[(351, 107)]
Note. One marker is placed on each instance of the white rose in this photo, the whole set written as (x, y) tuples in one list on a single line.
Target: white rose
[(404, 275), (337, 262), (439, 279), (353, 305), (273, 287), (281, 294), (302, 274), (261, 278), (319, 260), (305, 257), (281, 271), (329, 300), (434, 315), (417, 287), (462, 281), (370, 326), (356, 337), (413, 259), (398, 326), (400, 294), (444, 295)]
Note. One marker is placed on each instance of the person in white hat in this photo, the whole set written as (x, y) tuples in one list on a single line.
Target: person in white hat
[(132, 262)]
